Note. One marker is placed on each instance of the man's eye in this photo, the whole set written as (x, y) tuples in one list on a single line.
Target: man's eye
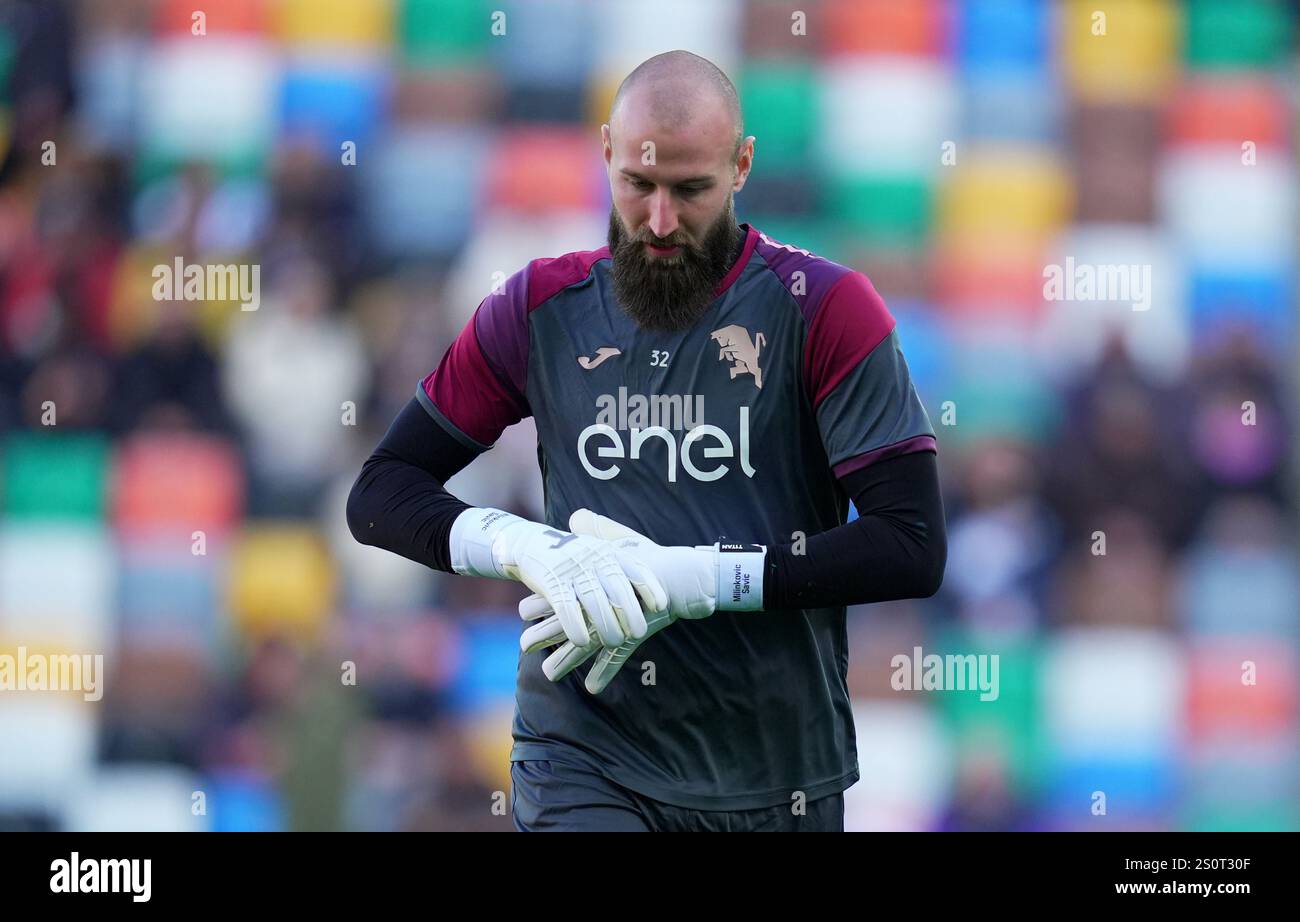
[(642, 185), (689, 191)]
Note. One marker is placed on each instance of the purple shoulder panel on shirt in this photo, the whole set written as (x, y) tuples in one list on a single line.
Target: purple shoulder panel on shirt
[(502, 321), (819, 274), (552, 275), (846, 319)]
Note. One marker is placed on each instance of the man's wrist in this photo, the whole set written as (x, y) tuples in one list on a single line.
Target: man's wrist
[(740, 576), (472, 537)]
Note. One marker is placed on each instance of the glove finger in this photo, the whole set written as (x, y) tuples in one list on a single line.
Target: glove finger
[(534, 606), (649, 588), (596, 603), (610, 661), (624, 599), (607, 665), (565, 659), (547, 633), (651, 592), (543, 581), (586, 522)]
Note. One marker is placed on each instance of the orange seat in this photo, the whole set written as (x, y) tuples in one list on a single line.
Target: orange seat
[(1219, 704), (1229, 111), (918, 27), (544, 169), (187, 480), (997, 273), (176, 17)]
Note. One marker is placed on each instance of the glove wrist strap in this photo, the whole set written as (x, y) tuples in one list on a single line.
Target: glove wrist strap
[(740, 576), (471, 540)]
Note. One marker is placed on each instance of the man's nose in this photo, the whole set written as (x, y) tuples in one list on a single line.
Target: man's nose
[(663, 216)]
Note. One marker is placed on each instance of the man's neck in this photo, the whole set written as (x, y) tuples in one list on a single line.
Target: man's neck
[(740, 245)]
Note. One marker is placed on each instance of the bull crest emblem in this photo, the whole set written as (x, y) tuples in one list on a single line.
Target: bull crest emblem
[(736, 346)]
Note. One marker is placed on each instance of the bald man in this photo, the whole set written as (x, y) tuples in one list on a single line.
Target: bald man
[(707, 401)]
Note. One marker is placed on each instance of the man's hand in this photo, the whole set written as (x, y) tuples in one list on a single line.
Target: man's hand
[(690, 576), (594, 596)]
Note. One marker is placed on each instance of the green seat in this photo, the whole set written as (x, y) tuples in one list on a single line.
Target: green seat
[(55, 476), (8, 54), (1011, 721), (1237, 34), (438, 34), (1279, 815), (775, 99), (881, 209), (153, 163), (995, 397)]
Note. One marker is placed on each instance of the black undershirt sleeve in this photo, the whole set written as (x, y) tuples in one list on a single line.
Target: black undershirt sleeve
[(398, 502), (895, 549)]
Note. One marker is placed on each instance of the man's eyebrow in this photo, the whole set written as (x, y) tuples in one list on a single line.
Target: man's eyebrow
[(697, 180)]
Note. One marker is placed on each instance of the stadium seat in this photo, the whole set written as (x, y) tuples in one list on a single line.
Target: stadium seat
[(423, 187), (175, 18), (181, 482), (881, 210), (325, 101), (333, 23), (1226, 35), (56, 736), (53, 475), (989, 274), (436, 34), (1114, 151), (137, 798), (885, 116), (775, 98), (539, 169), (1134, 61), (168, 598), (57, 583), (281, 583), (212, 102), (769, 30), (1222, 702), (1017, 190), (884, 27), (1003, 37), (1229, 112), (546, 46), (1255, 234)]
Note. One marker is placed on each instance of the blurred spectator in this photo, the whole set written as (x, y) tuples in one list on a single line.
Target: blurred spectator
[(171, 380), (294, 376), (1123, 443)]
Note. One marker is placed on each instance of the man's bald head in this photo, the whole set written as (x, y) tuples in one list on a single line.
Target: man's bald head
[(676, 155), (677, 88)]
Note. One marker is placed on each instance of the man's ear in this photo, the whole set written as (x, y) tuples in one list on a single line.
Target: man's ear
[(607, 149), (744, 163)]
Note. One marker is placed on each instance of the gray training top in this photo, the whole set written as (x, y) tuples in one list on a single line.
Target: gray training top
[(740, 426)]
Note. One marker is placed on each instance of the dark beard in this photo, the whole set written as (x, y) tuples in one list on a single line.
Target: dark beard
[(667, 296)]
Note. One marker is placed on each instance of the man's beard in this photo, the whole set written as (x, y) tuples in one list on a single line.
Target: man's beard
[(670, 294)]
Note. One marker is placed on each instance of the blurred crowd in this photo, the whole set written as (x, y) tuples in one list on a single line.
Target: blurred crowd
[(1119, 483)]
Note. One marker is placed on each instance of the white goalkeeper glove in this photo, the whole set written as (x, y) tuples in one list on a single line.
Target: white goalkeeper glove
[(699, 580), (595, 597)]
